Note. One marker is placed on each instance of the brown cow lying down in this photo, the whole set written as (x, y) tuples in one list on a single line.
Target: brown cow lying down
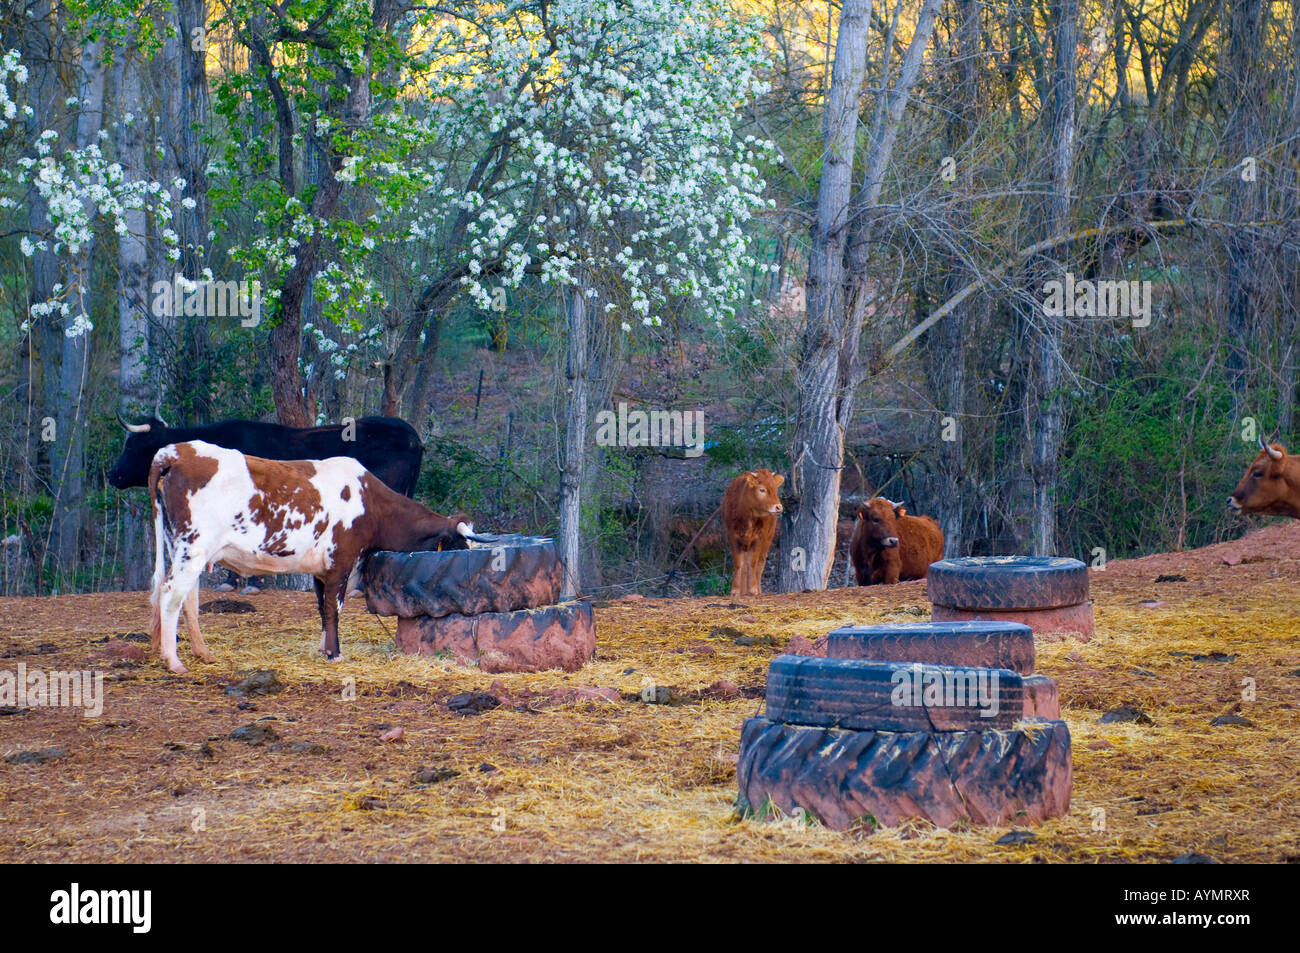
[(889, 546), (1271, 485), (212, 505), (750, 513)]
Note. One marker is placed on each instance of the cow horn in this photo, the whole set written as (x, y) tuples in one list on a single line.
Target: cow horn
[(133, 428), (1274, 454), (157, 412), (467, 530)]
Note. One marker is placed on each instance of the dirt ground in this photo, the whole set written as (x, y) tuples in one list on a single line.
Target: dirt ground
[(556, 773)]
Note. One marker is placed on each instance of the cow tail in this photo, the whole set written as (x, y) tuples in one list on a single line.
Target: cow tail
[(156, 474)]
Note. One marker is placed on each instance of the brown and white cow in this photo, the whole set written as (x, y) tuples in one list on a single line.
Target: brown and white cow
[(1271, 486), (750, 513), (213, 505), (889, 545)]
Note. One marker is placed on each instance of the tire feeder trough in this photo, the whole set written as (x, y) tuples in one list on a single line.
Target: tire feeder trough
[(855, 735), (1008, 645), (1047, 593), (494, 605)]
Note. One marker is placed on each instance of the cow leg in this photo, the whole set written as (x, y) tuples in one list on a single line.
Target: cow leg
[(757, 562), (862, 574), (183, 578), (740, 578), (331, 601), (197, 645)]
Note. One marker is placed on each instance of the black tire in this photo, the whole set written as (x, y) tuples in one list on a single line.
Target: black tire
[(978, 644), (843, 777), (1008, 582), (516, 572), (528, 640), (846, 693)]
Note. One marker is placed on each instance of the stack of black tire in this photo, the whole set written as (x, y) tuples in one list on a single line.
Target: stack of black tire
[(943, 721), (494, 605)]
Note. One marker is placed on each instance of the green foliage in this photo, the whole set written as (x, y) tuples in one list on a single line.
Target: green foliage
[(761, 443), (452, 477), (712, 583), (1138, 445)]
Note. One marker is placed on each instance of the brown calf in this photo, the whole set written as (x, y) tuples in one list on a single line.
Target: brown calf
[(1271, 485), (750, 511), (889, 546)]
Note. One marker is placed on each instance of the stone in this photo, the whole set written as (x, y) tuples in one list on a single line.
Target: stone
[(117, 650), (255, 734), (472, 703), (1126, 713), (42, 756), (232, 606), (435, 775), (800, 645), (265, 682)]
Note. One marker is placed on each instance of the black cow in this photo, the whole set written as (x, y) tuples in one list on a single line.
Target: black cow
[(386, 446)]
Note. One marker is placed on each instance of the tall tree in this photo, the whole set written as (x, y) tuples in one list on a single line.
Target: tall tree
[(839, 288), (67, 462), (1045, 409)]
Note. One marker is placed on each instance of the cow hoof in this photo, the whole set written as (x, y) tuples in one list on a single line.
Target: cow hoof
[(336, 658), (207, 657), (177, 666)]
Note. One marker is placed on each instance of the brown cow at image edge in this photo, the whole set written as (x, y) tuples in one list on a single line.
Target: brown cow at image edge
[(1271, 486)]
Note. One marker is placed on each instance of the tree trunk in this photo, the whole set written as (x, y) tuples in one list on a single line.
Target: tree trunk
[(68, 459), (137, 389), (190, 156), (576, 373), (829, 365), (947, 352), (1046, 406), (1241, 86), (808, 525), (44, 352)]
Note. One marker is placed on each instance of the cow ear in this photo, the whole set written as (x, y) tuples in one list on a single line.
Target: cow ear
[(779, 479), (900, 510), (750, 479)]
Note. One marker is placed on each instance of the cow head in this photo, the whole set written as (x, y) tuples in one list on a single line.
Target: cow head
[(761, 495), (879, 525), (449, 532), (1265, 488), (142, 442)]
